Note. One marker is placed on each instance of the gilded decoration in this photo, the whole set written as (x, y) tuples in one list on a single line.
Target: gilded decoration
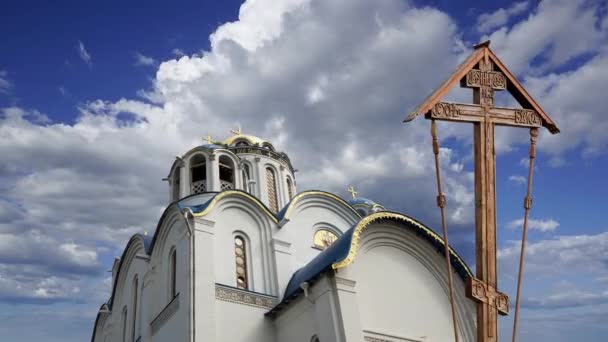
[(257, 202), (233, 295), (366, 221), (324, 238)]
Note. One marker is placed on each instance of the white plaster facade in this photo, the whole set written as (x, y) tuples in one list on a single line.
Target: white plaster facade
[(391, 285)]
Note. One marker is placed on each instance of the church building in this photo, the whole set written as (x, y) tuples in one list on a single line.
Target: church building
[(240, 256)]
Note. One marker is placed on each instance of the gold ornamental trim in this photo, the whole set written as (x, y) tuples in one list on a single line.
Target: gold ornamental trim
[(366, 221), (301, 195), (226, 193)]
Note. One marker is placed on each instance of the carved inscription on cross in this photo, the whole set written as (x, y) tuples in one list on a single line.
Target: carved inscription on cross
[(483, 72)]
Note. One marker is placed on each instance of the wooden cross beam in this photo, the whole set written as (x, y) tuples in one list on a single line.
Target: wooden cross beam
[(484, 73)]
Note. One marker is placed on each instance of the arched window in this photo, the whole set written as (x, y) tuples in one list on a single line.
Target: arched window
[(135, 295), (240, 257), (198, 174), (271, 183), (173, 274), (124, 324), (289, 188), (226, 173), (246, 177)]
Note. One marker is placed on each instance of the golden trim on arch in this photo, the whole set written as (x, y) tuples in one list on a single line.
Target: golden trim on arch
[(366, 221), (321, 193), (225, 193)]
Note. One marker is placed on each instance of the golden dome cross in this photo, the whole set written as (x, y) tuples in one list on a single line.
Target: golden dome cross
[(237, 131), (208, 139), (352, 192)]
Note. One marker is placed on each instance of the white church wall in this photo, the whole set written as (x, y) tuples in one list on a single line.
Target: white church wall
[(310, 213), (242, 323), (407, 298), (204, 283), (296, 322), (166, 315), (240, 216)]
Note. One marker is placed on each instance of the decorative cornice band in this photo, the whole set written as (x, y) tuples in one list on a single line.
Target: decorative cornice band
[(238, 296)]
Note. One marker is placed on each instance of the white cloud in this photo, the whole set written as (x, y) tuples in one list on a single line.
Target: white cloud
[(142, 60), (544, 36), (489, 21), (84, 54), (566, 299), (517, 179), (583, 254), (178, 52), (547, 225), (5, 84)]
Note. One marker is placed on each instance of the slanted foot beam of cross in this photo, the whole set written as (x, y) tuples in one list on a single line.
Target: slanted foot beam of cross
[(483, 72)]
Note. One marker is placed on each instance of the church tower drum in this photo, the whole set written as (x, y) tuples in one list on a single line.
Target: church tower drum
[(242, 162)]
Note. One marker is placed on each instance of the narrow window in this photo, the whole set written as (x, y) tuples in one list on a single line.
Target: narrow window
[(271, 182), (135, 294), (227, 175), (246, 177), (240, 254), (289, 189), (173, 274), (198, 174), (124, 324)]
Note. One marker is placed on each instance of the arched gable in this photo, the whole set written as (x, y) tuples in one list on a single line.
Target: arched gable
[(344, 251), (137, 244), (234, 214), (319, 199), (207, 207)]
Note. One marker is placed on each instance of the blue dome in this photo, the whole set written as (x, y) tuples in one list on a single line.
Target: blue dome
[(361, 200)]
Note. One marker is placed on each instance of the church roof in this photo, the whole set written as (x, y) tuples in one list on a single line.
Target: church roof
[(362, 200), (343, 250), (251, 139)]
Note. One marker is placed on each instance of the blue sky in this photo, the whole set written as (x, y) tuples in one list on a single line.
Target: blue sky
[(97, 99)]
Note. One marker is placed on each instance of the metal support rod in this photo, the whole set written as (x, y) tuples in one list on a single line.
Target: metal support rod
[(441, 204), (527, 206)]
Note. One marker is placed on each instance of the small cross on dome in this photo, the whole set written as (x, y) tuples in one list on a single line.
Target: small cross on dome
[(208, 139), (352, 192)]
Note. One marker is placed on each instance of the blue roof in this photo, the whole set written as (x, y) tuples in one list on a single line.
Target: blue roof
[(361, 200), (336, 252), (212, 146), (340, 249), (197, 202)]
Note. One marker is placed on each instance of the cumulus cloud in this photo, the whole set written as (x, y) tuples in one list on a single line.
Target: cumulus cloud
[(84, 54), (489, 21), (546, 225), (141, 60), (580, 253)]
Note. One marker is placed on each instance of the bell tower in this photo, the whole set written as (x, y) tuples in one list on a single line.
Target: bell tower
[(241, 162)]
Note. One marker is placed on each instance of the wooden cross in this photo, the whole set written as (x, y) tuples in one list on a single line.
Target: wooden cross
[(352, 192), (485, 73)]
